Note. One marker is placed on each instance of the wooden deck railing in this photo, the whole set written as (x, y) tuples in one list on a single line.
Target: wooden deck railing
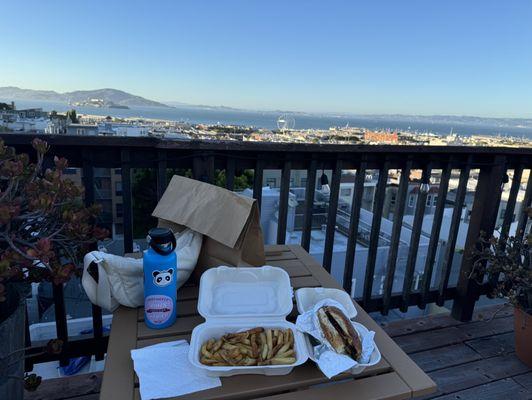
[(204, 158)]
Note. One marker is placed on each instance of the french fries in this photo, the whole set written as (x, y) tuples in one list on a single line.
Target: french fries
[(254, 347)]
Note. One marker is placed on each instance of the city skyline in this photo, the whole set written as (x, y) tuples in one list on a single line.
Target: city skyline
[(416, 58)]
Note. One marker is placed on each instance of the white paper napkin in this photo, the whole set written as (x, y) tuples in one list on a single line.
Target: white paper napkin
[(164, 371), (330, 362)]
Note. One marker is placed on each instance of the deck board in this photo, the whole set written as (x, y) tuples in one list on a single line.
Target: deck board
[(454, 334), (442, 320), (504, 389), (524, 380), (493, 345), (475, 373), (78, 387), (445, 357)]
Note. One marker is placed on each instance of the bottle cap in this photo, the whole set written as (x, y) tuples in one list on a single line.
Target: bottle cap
[(162, 240)]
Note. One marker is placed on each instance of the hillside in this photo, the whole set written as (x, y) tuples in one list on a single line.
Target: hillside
[(108, 95)]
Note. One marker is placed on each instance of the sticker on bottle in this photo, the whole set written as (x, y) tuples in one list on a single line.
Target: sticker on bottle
[(158, 309)]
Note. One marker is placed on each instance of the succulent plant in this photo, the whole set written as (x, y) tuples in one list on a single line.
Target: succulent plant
[(505, 262), (45, 228)]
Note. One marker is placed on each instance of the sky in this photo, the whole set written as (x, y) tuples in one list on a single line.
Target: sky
[(374, 57)]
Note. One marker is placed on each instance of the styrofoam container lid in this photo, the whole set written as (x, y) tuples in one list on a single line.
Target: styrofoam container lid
[(307, 297), (228, 292)]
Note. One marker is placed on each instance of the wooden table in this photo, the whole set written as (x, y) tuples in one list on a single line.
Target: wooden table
[(395, 377)]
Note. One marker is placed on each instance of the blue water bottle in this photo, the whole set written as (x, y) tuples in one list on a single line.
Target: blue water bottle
[(160, 279)]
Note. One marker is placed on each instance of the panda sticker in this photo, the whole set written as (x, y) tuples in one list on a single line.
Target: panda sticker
[(163, 278)]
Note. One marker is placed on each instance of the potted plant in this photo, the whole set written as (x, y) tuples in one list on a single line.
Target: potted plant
[(505, 262), (45, 230)]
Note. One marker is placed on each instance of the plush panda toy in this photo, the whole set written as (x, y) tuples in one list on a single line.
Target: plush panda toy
[(163, 278)]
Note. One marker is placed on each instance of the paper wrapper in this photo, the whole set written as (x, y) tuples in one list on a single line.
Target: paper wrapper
[(330, 362)]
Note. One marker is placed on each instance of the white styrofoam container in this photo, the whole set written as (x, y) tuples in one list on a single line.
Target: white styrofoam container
[(306, 298), (234, 299)]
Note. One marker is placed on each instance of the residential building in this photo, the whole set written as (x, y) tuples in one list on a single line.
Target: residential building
[(82, 129)]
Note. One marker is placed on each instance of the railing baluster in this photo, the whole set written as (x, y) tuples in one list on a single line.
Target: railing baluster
[(453, 231), (60, 318), (356, 205), (127, 201), (161, 173), (257, 181), (414, 240), (435, 234), (395, 237), (88, 177), (230, 174), (331, 215), (523, 217), (309, 204), (283, 203), (375, 232), (507, 219), (88, 183), (203, 168), (97, 327), (28, 363), (512, 199), (483, 219)]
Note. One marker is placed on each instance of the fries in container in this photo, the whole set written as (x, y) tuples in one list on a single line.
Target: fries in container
[(253, 347)]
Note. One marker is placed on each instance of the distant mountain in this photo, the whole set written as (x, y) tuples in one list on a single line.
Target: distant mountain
[(457, 120), (112, 96), (15, 93), (204, 106)]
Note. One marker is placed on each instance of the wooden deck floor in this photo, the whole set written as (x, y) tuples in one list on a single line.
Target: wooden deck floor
[(473, 360)]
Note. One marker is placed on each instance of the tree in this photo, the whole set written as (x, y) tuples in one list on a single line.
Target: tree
[(245, 180), (241, 182), (72, 116)]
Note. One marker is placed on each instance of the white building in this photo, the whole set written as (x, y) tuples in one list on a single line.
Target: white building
[(26, 124), (82, 129)]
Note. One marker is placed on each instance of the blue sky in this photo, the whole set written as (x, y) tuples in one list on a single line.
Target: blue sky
[(414, 57)]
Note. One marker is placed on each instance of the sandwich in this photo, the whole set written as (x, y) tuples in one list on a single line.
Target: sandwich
[(339, 332)]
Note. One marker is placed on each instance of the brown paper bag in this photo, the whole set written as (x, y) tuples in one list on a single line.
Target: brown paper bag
[(229, 222)]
